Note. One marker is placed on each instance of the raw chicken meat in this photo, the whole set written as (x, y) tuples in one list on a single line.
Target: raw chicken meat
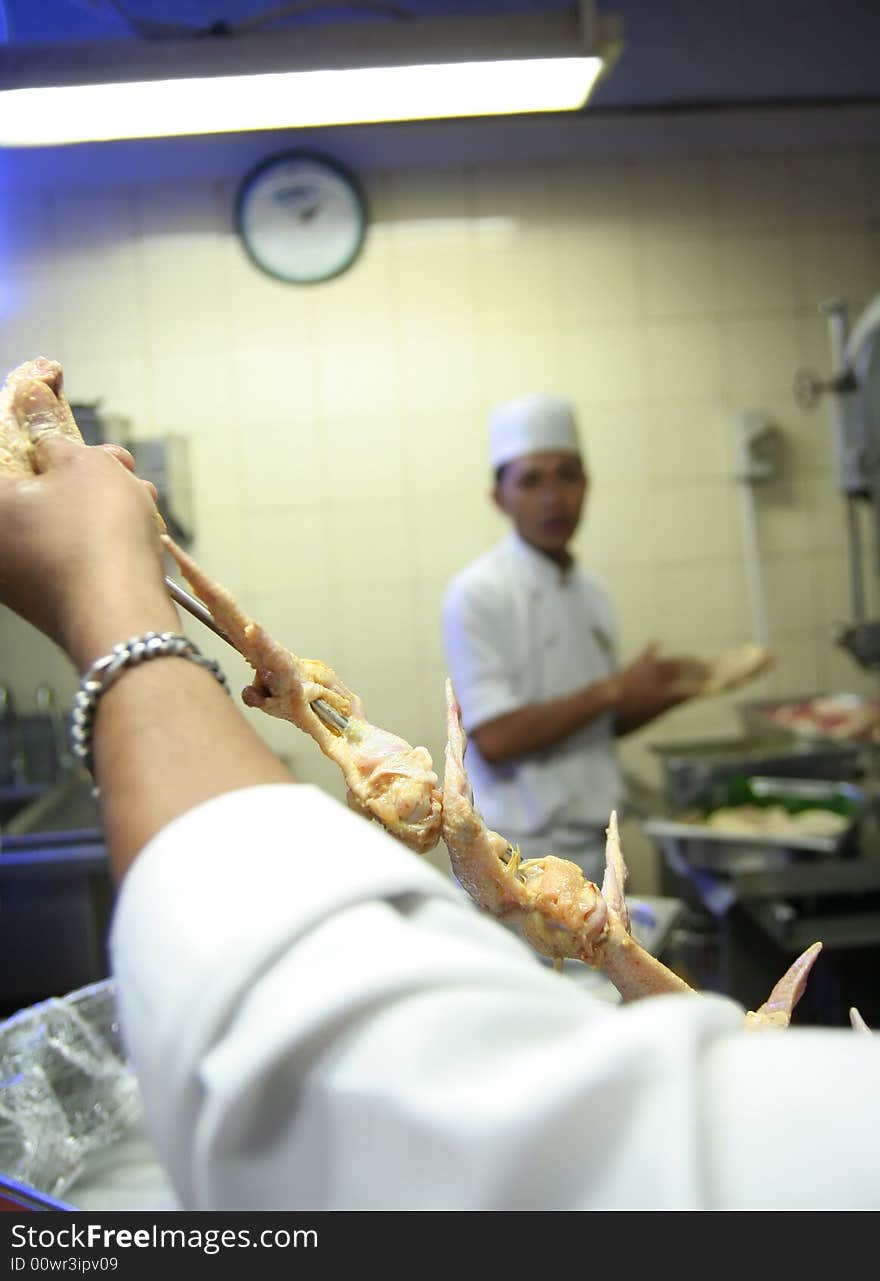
[(841, 716), (35, 388), (386, 778), (776, 1010), (775, 820), (702, 677), (559, 912), (32, 405)]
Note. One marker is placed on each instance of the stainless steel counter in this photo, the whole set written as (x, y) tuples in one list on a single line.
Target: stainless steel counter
[(55, 896), (756, 915)]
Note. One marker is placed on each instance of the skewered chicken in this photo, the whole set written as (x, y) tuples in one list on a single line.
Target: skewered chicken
[(559, 912), (386, 778)]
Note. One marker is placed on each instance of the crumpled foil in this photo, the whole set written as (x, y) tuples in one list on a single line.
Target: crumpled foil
[(66, 1087)]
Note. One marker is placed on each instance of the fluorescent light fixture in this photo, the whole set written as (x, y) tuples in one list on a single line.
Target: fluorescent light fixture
[(411, 70), (291, 100)]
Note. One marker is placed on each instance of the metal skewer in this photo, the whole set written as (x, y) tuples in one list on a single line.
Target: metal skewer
[(196, 608), (328, 714)]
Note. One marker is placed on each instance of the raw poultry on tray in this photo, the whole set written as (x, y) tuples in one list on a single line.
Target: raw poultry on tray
[(773, 820), (834, 716)]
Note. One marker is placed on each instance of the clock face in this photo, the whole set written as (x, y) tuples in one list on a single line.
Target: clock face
[(301, 217)]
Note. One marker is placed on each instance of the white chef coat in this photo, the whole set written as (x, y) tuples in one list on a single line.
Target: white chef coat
[(320, 1020), (517, 630)]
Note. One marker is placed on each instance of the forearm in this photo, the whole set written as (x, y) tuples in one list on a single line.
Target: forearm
[(83, 563), (542, 725), (166, 735), (630, 718), (627, 722)]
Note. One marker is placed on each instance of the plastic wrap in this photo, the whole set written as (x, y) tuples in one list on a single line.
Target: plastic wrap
[(66, 1088)]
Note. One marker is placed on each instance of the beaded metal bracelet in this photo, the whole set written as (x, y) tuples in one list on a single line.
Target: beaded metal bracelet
[(104, 671)]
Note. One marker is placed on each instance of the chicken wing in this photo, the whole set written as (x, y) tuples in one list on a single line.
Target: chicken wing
[(560, 912), (777, 1009), (386, 778)]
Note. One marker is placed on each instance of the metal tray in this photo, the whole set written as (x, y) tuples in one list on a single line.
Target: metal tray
[(690, 848), (796, 794), (696, 773), (704, 846), (757, 719), (699, 846)]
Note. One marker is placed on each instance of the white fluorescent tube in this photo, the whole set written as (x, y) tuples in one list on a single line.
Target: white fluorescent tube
[(57, 115)]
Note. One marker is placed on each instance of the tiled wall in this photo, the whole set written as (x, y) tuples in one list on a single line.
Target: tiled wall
[(337, 433)]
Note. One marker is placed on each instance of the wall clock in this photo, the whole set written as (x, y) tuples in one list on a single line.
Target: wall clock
[(301, 217)]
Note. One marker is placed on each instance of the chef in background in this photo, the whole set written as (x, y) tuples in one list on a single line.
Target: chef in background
[(531, 647)]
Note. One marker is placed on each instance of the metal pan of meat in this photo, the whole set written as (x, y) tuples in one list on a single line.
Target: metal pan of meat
[(779, 821), (823, 718)]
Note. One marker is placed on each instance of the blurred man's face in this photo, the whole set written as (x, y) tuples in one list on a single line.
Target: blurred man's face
[(543, 495)]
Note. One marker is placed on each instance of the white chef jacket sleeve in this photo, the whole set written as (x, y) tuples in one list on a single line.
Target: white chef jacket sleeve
[(318, 1019), (480, 656)]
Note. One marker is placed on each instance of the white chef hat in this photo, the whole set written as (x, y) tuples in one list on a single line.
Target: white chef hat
[(531, 425)]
